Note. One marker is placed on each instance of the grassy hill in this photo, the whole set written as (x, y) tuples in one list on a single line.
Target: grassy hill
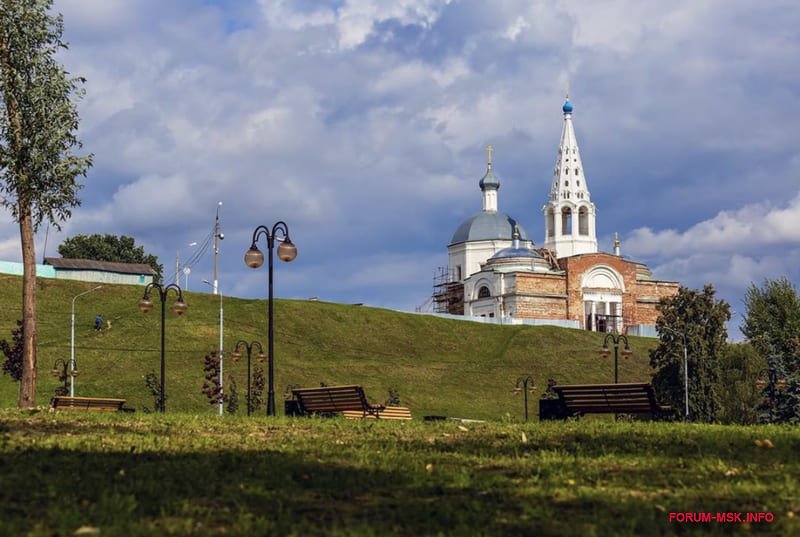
[(439, 366)]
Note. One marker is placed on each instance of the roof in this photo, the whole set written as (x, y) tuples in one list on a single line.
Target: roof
[(487, 225), (519, 252), (105, 266)]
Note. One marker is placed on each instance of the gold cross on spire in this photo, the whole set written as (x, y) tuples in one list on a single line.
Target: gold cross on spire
[(489, 150)]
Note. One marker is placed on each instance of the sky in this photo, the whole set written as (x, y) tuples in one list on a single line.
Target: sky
[(362, 124)]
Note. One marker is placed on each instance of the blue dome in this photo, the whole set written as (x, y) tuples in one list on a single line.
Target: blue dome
[(489, 181), (509, 253), (567, 108), (487, 226)]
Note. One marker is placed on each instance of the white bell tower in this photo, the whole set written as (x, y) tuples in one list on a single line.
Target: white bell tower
[(569, 215)]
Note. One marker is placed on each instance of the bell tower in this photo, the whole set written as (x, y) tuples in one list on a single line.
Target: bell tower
[(569, 214)]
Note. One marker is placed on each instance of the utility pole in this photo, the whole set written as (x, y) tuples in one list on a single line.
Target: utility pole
[(217, 237)]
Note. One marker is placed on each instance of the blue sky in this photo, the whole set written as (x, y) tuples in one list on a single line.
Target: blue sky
[(362, 124)]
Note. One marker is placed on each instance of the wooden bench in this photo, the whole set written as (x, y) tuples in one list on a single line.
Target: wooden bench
[(387, 413), (335, 399), (629, 398), (62, 402)]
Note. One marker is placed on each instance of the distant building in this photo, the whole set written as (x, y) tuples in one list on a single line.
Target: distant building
[(88, 270), (496, 272)]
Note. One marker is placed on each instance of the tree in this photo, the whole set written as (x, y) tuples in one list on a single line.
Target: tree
[(701, 318), (12, 365), (772, 321), (211, 387), (741, 368), (38, 125), (110, 248)]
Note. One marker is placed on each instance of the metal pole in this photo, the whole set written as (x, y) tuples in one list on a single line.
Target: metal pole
[(163, 366), (249, 396), (616, 362), (216, 249), (271, 393), (221, 384), (685, 377), (526, 399), (72, 351)]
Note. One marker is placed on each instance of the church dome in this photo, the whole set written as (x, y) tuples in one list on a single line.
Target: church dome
[(515, 253), (487, 226), (489, 180), (567, 108)]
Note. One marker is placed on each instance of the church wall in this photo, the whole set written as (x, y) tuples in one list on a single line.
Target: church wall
[(540, 296), (648, 295)]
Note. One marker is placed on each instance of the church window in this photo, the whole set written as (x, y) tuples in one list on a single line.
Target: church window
[(577, 171), (566, 183), (566, 221), (566, 171), (583, 221), (458, 273), (579, 182), (483, 292), (551, 223)]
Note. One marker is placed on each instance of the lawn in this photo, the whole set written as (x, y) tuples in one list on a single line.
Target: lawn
[(183, 474)]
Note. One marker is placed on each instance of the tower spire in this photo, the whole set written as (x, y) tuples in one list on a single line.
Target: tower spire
[(489, 184), (569, 212)]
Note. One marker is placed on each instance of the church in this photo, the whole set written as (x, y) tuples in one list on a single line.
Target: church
[(496, 272)]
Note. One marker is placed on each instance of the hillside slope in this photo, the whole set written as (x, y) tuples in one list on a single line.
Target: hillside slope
[(439, 366)]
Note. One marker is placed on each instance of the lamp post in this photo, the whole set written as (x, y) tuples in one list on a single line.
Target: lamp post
[(254, 258), (180, 307), (685, 370), (60, 372), (72, 339), (236, 354), (615, 340), (221, 391), (525, 385), (178, 261), (772, 385)]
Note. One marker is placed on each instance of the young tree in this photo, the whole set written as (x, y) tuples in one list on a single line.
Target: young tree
[(110, 248), (772, 321), (38, 164), (12, 365), (701, 318), (741, 369)]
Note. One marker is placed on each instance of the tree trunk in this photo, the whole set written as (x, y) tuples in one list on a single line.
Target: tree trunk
[(27, 386)]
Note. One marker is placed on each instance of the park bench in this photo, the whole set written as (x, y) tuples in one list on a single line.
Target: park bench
[(335, 399), (579, 399), (63, 402), (387, 413)]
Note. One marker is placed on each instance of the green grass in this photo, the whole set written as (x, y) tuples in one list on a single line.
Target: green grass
[(178, 474), (439, 366)]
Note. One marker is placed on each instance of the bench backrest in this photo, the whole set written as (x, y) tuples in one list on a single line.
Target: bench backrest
[(62, 402), (632, 398), (332, 398)]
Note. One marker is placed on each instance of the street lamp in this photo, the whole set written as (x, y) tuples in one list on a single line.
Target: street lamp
[(254, 258), (685, 370), (180, 307), (72, 340), (773, 385), (59, 371), (236, 354), (626, 352), (526, 386), (221, 391)]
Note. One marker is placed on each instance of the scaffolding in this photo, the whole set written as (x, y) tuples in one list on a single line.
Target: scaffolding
[(448, 292)]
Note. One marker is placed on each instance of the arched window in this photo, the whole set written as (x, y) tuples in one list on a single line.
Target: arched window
[(566, 221), (551, 223), (483, 292), (583, 221)]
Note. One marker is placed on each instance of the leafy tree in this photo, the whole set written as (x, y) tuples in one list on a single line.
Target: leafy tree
[(701, 318), (741, 367), (211, 387), (12, 365), (110, 248), (772, 321), (38, 164)]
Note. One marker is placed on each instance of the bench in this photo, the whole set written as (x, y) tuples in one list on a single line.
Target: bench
[(62, 402), (387, 413), (579, 399), (335, 399)]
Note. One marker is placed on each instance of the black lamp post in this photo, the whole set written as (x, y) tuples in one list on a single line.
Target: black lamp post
[(180, 307), (525, 385), (236, 354), (59, 371), (772, 386), (626, 352), (254, 258)]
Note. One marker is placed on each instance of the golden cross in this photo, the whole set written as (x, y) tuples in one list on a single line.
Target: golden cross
[(489, 150)]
